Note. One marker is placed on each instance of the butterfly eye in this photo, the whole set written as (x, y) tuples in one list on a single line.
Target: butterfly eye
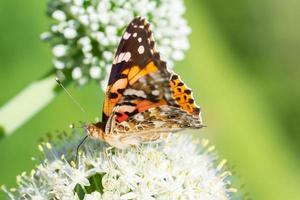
[(89, 130)]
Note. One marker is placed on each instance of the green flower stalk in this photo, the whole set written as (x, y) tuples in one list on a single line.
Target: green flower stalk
[(154, 171), (26, 104), (84, 35)]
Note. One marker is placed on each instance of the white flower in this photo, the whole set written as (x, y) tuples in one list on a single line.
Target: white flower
[(100, 24), (59, 15), (109, 182), (93, 196), (45, 36), (78, 2), (95, 72), (70, 33), (58, 64), (108, 56), (179, 168), (76, 73), (59, 50)]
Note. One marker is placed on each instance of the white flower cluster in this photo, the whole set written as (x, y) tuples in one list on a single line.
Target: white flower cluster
[(85, 34), (180, 168)]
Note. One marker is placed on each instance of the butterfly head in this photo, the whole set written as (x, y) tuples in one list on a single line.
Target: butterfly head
[(96, 130)]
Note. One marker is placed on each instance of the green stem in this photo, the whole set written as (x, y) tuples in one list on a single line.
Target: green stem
[(26, 104)]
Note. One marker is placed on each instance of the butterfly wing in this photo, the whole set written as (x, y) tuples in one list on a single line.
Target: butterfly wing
[(136, 57), (140, 85), (154, 123)]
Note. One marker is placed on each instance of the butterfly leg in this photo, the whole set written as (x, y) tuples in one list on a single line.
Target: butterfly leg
[(156, 145), (139, 148), (168, 137), (108, 156), (107, 151)]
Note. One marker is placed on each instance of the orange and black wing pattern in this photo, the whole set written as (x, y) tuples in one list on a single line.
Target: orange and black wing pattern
[(140, 80), (183, 96), (135, 59)]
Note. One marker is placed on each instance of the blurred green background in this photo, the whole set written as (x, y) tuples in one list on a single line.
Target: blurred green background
[(243, 66)]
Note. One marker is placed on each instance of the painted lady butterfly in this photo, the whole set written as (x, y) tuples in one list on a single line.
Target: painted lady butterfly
[(144, 101)]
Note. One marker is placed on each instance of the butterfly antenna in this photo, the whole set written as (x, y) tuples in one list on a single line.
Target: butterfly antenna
[(69, 94), (78, 146)]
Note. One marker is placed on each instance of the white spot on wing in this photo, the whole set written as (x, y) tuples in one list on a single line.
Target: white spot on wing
[(159, 124), (139, 93), (125, 108), (143, 80), (140, 39), (127, 56), (126, 35), (155, 92), (134, 35), (124, 56), (120, 57), (141, 49), (139, 117)]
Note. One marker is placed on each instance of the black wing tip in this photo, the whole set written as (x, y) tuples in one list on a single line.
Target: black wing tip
[(140, 20)]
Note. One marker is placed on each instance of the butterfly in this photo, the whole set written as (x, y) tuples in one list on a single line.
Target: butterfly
[(144, 101)]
